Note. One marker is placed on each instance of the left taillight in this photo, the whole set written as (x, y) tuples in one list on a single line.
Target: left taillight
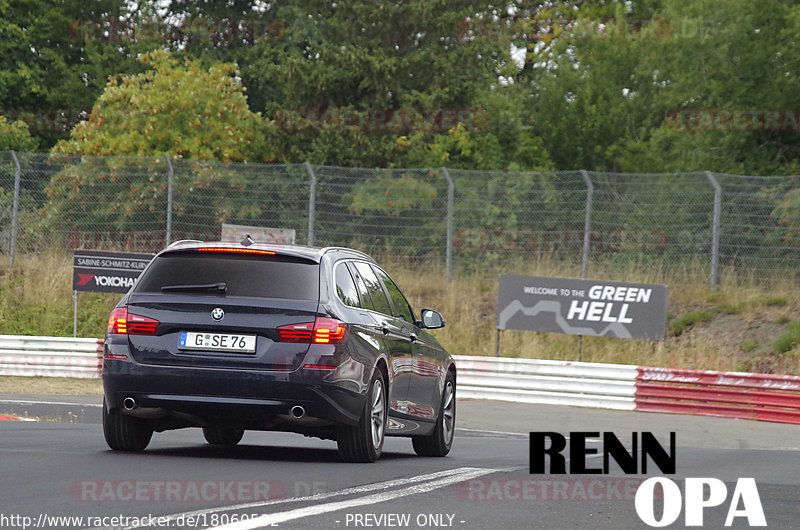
[(121, 322)]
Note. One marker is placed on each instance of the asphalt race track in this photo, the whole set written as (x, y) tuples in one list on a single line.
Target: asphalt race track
[(60, 466)]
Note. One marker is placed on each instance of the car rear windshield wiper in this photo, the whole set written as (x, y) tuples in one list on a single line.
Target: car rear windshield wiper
[(220, 287)]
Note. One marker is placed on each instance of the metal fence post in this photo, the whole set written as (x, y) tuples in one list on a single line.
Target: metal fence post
[(587, 224), (451, 193), (587, 240), (715, 230), (312, 202), (15, 210), (170, 178)]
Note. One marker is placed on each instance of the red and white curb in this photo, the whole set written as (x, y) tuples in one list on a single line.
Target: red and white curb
[(15, 418), (752, 396), (764, 397)]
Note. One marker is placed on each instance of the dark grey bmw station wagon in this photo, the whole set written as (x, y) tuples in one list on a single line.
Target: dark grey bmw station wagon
[(317, 341)]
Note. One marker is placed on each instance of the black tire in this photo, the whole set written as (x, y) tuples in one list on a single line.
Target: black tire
[(439, 442), (364, 442), (125, 433), (223, 435)]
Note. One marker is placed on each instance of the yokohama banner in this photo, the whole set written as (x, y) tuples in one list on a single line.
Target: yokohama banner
[(104, 271), (582, 307)]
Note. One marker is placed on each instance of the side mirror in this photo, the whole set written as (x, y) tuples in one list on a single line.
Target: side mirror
[(432, 319)]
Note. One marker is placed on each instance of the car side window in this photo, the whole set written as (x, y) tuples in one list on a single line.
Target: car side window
[(399, 302), (366, 299), (346, 287), (374, 288)]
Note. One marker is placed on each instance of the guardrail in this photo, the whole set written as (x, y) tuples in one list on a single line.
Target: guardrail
[(762, 397), (611, 386), (50, 356)]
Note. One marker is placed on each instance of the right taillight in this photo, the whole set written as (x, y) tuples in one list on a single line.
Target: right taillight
[(322, 331), (121, 322)]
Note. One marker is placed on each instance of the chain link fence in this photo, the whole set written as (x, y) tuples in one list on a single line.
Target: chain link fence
[(688, 225)]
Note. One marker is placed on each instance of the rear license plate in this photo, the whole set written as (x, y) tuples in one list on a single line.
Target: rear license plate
[(230, 342)]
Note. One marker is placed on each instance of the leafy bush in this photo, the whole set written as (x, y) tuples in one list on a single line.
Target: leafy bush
[(680, 324), (787, 341)]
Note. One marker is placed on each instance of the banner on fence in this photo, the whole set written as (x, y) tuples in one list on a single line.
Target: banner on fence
[(582, 307), (259, 234), (103, 271)]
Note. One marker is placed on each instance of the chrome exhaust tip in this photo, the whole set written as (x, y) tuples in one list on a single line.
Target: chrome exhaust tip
[(129, 403), (297, 412)]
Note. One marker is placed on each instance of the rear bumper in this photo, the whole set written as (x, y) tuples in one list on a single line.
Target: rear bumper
[(249, 398)]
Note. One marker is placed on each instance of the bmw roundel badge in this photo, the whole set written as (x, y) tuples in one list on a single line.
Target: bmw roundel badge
[(217, 313)]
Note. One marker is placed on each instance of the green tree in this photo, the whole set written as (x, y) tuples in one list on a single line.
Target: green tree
[(179, 109), (722, 57), (587, 90), (611, 83), (54, 61), (370, 56), (175, 108), (15, 136), (497, 137)]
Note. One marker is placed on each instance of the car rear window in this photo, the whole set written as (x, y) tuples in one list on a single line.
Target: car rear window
[(260, 276)]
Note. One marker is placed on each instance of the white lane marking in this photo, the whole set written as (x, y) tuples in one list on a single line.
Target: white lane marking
[(17, 402), (482, 431), (375, 498), (366, 488)]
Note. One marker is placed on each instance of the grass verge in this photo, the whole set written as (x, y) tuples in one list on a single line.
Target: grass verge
[(49, 385), (739, 326)]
